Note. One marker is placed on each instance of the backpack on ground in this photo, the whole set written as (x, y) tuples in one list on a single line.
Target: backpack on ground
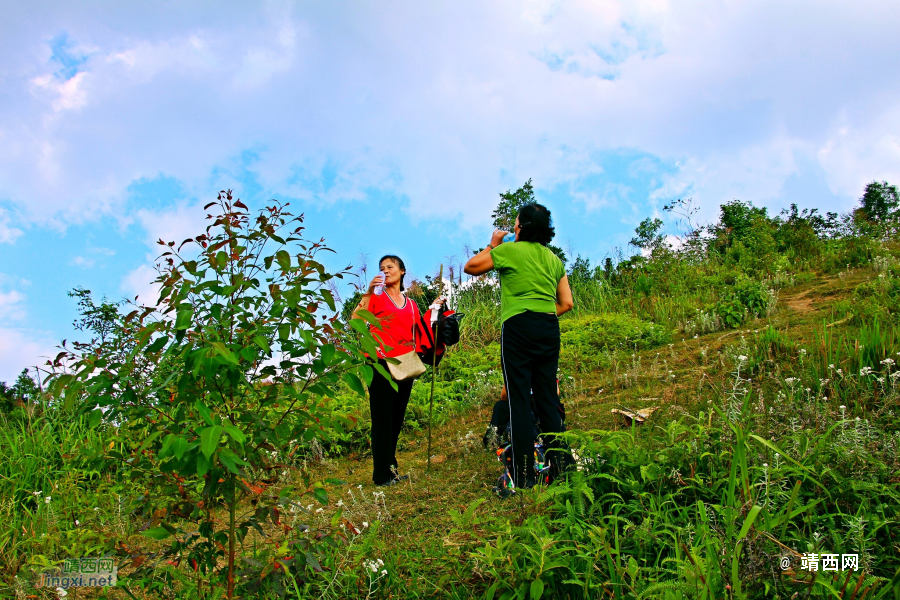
[(498, 434)]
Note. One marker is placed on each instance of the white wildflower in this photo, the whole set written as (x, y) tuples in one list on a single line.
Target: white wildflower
[(61, 593), (47, 500)]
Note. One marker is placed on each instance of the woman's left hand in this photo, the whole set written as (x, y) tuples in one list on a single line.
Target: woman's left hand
[(498, 236)]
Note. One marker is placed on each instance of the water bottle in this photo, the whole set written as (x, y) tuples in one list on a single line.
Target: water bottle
[(379, 288), (509, 237)]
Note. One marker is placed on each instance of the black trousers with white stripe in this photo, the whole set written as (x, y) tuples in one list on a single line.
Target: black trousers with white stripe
[(529, 353)]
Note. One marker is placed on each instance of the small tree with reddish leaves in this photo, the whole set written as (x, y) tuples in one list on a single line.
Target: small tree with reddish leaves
[(230, 368)]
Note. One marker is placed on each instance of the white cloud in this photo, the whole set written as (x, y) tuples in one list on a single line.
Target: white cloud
[(854, 156), (21, 348), (62, 94), (11, 308), (8, 233), (139, 282), (175, 225), (446, 104), (80, 261)]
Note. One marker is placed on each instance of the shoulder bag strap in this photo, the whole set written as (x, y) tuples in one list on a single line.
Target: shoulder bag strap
[(427, 327)]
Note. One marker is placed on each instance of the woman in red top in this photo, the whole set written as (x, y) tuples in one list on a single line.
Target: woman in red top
[(398, 316)]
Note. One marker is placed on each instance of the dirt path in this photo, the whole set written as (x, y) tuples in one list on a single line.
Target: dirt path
[(801, 302)]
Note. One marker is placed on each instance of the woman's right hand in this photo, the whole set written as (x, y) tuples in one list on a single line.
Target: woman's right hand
[(498, 236), (377, 280)]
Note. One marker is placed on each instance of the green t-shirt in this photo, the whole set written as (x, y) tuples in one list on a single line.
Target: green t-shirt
[(529, 276)]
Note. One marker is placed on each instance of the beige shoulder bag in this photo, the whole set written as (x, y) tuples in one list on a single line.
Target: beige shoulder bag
[(410, 365)]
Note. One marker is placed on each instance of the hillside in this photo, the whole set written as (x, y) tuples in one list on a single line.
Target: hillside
[(768, 347), (450, 512)]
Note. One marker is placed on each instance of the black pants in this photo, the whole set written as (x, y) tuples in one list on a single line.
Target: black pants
[(529, 354), (388, 407)]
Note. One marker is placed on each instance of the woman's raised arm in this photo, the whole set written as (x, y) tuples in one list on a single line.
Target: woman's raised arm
[(483, 262)]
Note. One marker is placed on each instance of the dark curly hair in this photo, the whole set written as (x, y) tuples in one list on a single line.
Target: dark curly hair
[(535, 224), (397, 261)]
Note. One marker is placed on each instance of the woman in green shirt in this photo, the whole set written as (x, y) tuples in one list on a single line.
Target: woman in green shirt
[(534, 291)]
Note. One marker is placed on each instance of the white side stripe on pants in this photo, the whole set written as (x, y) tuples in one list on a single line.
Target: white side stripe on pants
[(508, 400)]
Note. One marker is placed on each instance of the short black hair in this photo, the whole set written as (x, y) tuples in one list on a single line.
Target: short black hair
[(535, 224), (397, 261)]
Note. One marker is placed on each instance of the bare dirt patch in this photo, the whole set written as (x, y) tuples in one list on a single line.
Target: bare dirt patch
[(801, 302)]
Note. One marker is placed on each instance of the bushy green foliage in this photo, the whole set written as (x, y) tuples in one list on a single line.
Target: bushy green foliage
[(647, 235), (588, 342), (215, 383), (747, 299), (22, 392), (880, 200)]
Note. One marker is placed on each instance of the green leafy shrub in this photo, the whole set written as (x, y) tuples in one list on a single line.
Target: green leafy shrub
[(588, 340), (731, 311), (747, 299), (755, 296), (208, 390)]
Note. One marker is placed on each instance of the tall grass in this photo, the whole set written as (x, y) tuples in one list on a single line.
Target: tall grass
[(856, 368), (479, 300), (703, 506), (47, 483)]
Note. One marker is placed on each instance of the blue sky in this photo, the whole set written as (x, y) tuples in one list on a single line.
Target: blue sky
[(394, 126)]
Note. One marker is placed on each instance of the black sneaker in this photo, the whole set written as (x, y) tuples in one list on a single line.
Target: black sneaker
[(387, 483)]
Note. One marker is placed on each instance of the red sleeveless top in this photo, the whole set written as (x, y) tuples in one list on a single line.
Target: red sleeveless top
[(398, 325)]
